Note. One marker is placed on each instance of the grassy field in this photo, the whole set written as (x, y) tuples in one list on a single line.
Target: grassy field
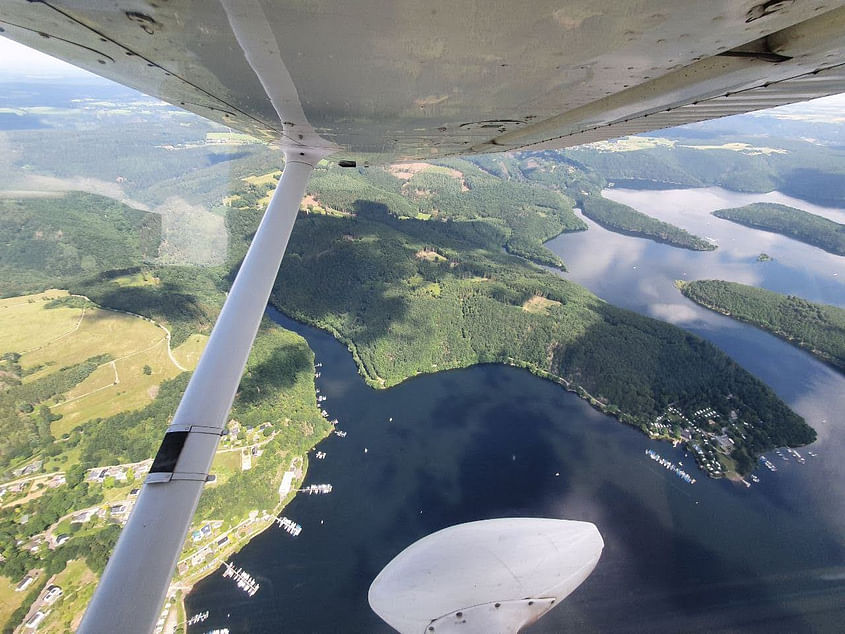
[(77, 583), (225, 465), (26, 326), (237, 138), (137, 279), (50, 338), (9, 599), (539, 305), (270, 178), (188, 354)]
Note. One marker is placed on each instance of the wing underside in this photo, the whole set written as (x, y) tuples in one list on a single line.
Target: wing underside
[(383, 81)]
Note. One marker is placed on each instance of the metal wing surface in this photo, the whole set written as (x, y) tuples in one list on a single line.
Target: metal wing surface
[(390, 80)]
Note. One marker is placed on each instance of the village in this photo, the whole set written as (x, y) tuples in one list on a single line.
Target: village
[(710, 439), (209, 542)]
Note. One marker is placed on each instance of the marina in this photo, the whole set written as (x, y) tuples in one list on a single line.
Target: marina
[(198, 618), (288, 526), (768, 463), (317, 489), (796, 455), (243, 579), (671, 466)]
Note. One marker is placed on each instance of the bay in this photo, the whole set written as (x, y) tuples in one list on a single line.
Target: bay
[(493, 441)]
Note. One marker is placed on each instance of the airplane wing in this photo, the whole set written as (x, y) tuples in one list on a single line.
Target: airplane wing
[(380, 80), (390, 80)]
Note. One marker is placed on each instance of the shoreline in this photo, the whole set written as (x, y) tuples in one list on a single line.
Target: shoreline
[(179, 590), (379, 383), (783, 336)]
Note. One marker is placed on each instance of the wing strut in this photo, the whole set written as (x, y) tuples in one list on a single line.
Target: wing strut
[(131, 592)]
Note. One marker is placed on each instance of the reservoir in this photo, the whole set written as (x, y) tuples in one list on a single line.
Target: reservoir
[(494, 441)]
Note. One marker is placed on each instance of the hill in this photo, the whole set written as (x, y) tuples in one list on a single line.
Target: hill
[(818, 328), (623, 219), (790, 222), (52, 239), (422, 295)]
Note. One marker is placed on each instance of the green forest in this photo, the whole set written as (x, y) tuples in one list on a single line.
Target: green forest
[(623, 219), (509, 214), (818, 328), (52, 240), (413, 268), (688, 157), (410, 296), (790, 222), (24, 415), (95, 246)]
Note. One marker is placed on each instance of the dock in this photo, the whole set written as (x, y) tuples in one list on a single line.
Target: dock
[(288, 526), (243, 579), (198, 618), (671, 466), (317, 489)]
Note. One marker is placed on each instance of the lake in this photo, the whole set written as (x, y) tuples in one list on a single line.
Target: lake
[(493, 441)]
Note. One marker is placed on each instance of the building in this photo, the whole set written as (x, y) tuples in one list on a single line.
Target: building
[(25, 583), (35, 620), (52, 594), (32, 467), (83, 516), (725, 443)]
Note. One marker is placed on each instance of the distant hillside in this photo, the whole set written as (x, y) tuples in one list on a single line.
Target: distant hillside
[(740, 162), (793, 223), (818, 328), (48, 241), (503, 213)]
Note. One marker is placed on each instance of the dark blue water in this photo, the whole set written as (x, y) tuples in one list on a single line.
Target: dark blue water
[(494, 441)]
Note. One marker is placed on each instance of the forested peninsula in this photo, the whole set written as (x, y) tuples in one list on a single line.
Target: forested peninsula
[(623, 219), (790, 222), (818, 328), (414, 295)]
